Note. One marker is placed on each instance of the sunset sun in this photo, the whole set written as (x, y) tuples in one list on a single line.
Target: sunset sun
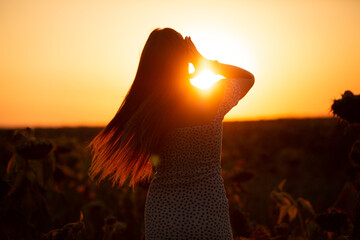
[(205, 79)]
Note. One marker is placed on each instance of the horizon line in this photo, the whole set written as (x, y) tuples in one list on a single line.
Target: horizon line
[(23, 126)]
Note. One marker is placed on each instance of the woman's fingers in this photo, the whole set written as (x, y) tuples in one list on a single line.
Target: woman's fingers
[(192, 46), (193, 52), (194, 57), (188, 42)]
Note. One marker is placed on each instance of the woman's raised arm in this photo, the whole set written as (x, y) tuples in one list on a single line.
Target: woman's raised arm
[(245, 78)]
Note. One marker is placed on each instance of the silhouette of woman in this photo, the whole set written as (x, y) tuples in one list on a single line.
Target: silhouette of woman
[(166, 121)]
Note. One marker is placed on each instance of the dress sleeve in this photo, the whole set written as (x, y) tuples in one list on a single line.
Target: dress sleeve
[(231, 96)]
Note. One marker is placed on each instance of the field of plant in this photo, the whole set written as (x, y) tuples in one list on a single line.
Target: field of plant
[(285, 179)]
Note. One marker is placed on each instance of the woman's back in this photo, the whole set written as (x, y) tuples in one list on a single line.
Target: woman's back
[(187, 190)]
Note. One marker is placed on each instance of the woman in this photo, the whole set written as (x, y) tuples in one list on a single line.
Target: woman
[(165, 119)]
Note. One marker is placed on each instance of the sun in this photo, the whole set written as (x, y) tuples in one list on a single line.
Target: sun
[(205, 79)]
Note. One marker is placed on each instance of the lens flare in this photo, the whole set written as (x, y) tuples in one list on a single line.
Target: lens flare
[(205, 79)]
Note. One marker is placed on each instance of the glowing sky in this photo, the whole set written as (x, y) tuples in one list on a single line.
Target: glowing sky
[(70, 63)]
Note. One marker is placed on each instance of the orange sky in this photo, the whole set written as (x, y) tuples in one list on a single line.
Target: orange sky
[(70, 63)]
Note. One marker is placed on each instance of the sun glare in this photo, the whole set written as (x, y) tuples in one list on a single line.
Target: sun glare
[(205, 79)]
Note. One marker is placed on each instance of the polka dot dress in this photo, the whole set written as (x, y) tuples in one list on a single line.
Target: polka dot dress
[(186, 197)]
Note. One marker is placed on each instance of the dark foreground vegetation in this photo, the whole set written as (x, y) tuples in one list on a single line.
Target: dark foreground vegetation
[(285, 179)]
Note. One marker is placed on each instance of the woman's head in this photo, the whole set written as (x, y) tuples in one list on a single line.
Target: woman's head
[(164, 60)]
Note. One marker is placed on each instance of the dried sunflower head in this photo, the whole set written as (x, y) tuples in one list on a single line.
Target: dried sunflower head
[(30, 147), (348, 107)]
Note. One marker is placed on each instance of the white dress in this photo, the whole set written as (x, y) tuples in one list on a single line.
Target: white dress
[(186, 197)]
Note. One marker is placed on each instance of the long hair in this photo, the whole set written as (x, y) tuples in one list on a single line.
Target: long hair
[(121, 151)]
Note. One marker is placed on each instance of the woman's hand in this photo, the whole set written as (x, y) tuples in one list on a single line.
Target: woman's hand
[(195, 57)]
